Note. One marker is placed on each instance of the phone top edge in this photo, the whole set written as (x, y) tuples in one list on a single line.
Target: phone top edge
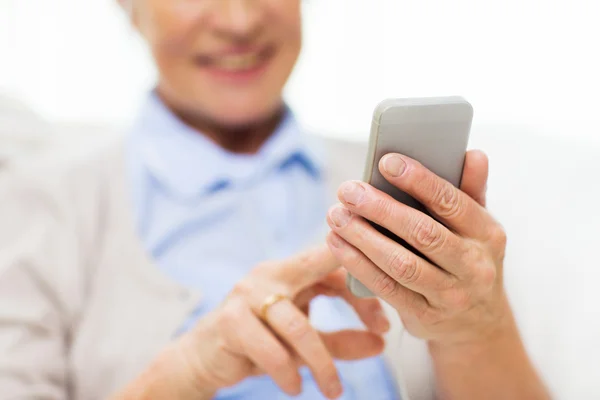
[(384, 106)]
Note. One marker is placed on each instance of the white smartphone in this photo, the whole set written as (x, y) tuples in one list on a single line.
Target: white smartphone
[(434, 131)]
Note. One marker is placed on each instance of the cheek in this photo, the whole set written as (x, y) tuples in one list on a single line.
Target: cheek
[(286, 28), (169, 30), (289, 23)]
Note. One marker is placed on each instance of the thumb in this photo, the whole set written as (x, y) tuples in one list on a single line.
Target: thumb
[(352, 344), (475, 176)]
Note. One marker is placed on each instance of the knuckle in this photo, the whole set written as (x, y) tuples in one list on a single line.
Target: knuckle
[(447, 201), (382, 210), (472, 255), (486, 276), (303, 258), (298, 330), (403, 268), (385, 285), (230, 316), (498, 237), (472, 252), (483, 270), (307, 259), (352, 257), (360, 230), (428, 235)]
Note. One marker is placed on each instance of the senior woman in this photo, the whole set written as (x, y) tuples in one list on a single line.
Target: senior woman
[(147, 269)]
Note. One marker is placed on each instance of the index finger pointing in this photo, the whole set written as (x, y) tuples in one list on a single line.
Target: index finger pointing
[(306, 268), (446, 202)]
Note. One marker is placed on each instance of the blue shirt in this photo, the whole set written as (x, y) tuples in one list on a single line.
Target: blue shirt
[(207, 217)]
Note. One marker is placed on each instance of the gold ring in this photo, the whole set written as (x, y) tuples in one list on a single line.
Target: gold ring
[(269, 301)]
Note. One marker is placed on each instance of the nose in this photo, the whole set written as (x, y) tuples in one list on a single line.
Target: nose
[(240, 18)]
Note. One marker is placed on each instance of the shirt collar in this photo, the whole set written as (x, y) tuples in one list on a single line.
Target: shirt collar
[(187, 164)]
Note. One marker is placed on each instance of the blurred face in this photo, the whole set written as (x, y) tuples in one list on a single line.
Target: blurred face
[(223, 60)]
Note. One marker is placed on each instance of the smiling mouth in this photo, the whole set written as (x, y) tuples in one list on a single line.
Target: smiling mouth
[(237, 61)]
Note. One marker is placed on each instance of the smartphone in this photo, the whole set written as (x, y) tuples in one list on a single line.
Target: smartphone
[(434, 131)]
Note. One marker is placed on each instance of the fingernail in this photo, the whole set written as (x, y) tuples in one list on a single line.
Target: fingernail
[(353, 192), (335, 389), (394, 165), (382, 320), (340, 216)]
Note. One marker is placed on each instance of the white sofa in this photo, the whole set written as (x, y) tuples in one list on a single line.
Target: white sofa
[(25, 135), (546, 193)]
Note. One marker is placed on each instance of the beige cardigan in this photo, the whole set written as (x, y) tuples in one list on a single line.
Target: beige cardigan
[(83, 310)]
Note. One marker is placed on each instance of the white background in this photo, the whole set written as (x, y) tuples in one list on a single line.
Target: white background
[(529, 64)]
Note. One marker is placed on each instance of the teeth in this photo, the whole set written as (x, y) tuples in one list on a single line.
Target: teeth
[(238, 63)]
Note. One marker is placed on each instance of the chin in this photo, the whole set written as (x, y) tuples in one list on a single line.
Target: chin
[(243, 114)]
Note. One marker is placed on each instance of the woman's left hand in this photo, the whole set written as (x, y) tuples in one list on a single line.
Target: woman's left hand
[(454, 296)]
